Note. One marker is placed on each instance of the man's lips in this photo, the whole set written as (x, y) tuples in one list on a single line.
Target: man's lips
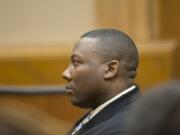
[(69, 90)]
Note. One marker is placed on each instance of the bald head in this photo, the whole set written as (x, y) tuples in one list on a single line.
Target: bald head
[(115, 45)]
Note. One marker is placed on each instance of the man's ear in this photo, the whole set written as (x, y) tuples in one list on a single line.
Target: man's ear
[(111, 69)]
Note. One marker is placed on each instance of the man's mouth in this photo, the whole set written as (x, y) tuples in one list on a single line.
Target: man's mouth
[(69, 90)]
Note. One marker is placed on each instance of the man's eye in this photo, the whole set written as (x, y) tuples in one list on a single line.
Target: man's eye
[(76, 63)]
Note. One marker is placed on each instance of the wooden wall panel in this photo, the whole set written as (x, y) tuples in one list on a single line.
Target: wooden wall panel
[(158, 62), (58, 106), (170, 19), (138, 18), (33, 63)]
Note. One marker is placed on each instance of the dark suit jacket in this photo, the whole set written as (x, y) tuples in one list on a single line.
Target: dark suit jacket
[(109, 121)]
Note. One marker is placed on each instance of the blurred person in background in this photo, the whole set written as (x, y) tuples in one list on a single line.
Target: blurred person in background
[(18, 118), (157, 112), (13, 129), (101, 77)]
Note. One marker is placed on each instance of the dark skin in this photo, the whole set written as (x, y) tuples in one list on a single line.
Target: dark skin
[(90, 80)]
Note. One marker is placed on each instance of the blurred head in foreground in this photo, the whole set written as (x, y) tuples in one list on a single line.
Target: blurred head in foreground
[(157, 112)]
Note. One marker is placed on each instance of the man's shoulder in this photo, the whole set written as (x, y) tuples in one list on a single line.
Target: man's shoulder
[(111, 126)]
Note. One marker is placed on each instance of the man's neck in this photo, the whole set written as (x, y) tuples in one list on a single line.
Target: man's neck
[(119, 95), (109, 94)]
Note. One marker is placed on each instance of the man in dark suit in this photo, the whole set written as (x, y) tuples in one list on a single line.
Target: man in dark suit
[(101, 77)]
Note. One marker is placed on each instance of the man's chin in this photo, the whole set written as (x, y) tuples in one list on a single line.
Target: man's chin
[(80, 104)]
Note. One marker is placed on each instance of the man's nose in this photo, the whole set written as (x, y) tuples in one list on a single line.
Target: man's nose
[(67, 74)]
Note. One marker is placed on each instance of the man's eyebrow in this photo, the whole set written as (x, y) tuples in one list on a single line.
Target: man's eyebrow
[(74, 56)]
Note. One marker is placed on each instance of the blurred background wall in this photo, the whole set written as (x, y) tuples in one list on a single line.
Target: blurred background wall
[(36, 38), (45, 20)]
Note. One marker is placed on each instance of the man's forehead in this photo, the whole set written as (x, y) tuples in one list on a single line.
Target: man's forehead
[(86, 47), (86, 42), (89, 39)]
